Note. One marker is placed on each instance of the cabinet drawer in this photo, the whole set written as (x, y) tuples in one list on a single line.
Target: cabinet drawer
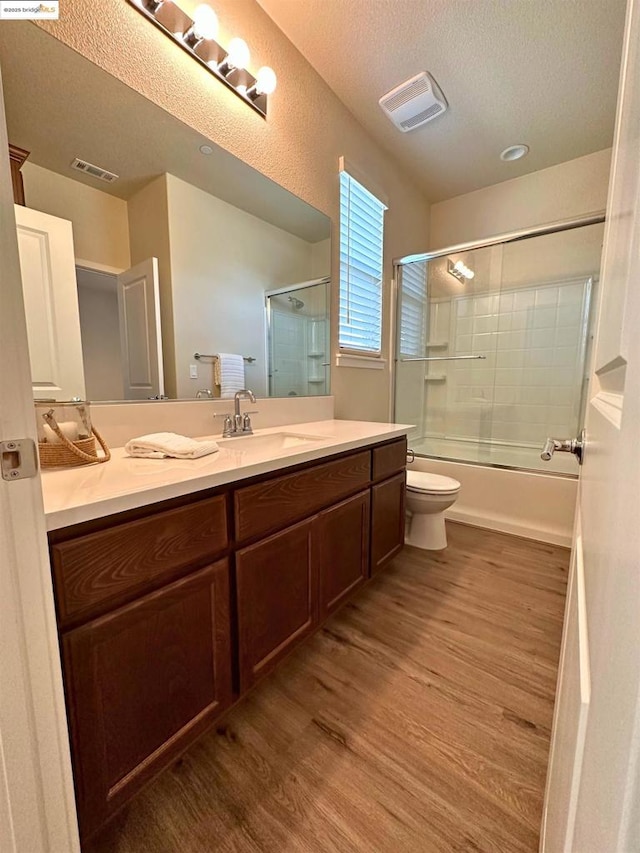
[(96, 572), (269, 506), (389, 459)]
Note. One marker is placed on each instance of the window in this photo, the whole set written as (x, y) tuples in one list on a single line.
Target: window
[(361, 235), (413, 309)]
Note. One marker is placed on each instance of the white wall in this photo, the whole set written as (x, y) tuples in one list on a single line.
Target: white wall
[(100, 221)]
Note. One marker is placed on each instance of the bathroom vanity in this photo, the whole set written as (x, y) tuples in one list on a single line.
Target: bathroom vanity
[(170, 609)]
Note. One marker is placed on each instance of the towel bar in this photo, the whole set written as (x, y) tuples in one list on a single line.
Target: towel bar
[(198, 355)]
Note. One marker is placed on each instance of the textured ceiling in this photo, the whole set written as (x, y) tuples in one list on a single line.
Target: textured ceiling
[(542, 72), (61, 106)]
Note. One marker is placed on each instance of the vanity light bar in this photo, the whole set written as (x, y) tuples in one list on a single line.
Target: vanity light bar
[(198, 38)]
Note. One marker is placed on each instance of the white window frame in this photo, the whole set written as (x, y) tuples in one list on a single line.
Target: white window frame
[(349, 356)]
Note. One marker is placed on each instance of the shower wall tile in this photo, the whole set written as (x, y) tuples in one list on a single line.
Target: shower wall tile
[(529, 386)]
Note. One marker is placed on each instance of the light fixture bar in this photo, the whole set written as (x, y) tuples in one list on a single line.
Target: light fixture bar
[(176, 24)]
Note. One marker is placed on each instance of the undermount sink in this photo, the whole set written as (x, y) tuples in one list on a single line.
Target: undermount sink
[(272, 443)]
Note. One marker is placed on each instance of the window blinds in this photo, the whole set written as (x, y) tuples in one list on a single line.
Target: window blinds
[(361, 237), (413, 309)]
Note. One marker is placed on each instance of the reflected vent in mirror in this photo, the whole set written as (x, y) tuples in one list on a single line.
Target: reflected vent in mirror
[(94, 171)]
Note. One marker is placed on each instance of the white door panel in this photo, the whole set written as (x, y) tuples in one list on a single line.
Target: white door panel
[(593, 800), (572, 707), (50, 293), (140, 334), (37, 812)]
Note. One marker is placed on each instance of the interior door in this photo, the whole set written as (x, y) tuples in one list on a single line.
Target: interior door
[(37, 810), (592, 801), (47, 263), (140, 332)]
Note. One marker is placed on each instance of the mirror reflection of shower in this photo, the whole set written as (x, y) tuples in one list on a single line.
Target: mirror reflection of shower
[(298, 339)]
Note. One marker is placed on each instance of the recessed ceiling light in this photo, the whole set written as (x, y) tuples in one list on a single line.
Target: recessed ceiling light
[(206, 149), (514, 152)]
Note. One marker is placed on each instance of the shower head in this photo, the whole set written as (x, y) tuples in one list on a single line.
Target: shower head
[(296, 303)]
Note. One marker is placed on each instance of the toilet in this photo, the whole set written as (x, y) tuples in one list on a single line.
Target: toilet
[(428, 496)]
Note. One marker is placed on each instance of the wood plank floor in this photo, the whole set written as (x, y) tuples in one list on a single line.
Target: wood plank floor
[(417, 719)]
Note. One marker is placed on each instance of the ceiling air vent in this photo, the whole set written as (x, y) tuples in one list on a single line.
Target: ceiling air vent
[(94, 171), (414, 103)]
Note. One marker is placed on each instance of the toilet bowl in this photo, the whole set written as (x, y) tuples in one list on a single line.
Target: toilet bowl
[(428, 496)]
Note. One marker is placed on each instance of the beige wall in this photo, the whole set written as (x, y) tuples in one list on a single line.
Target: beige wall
[(298, 146), (100, 327), (149, 236), (100, 224), (569, 189), (222, 261)]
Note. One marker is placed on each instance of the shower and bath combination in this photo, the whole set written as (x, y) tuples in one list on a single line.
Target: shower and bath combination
[(489, 366)]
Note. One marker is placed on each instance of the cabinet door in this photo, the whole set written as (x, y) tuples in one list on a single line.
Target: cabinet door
[(277, 599), (142, 683), (341, 538), (387, 520)]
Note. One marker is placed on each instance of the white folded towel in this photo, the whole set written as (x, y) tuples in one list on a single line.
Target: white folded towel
[(228, 373), (159, 445)]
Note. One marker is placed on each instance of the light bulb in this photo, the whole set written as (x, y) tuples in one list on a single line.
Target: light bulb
[(205, 22), (238, 54), (266, 80)]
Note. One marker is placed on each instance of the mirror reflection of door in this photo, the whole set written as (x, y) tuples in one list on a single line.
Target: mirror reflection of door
[(120, 328), (93, 334), (298, 331)]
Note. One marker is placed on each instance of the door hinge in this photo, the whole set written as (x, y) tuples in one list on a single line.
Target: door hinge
[(19, 459)]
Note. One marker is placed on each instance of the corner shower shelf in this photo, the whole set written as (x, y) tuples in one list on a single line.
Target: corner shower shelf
[(437, 344), (435, 377)]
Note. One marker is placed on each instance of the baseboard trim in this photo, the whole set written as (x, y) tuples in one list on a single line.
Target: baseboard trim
[(503, 525)]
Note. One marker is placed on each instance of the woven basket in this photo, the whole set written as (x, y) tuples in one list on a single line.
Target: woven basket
[(70, 453), (59, 455)]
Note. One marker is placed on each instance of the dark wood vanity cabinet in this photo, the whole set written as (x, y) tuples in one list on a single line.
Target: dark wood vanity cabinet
[(387, 521), (341, 543), (167, 617), (142, 683), (291, 581), (277, 599)]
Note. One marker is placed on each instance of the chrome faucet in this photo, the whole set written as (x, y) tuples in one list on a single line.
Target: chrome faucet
[(239, 424)]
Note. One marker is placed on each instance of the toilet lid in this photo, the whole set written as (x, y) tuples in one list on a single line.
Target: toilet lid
[(420, 481)]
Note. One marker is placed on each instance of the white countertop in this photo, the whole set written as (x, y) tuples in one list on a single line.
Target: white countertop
[(81, 494)]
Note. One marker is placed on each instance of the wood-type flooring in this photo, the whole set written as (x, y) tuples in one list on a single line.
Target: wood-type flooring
[(417, 720)]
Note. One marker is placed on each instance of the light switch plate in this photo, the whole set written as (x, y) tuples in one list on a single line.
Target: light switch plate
[(193, 371)]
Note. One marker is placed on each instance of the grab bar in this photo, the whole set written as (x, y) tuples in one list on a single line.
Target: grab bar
[(444, 358)]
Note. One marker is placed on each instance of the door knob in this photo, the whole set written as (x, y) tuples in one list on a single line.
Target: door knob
[(567, 445)]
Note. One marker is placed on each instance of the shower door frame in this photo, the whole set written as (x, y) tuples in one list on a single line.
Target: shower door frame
[(595, 218)]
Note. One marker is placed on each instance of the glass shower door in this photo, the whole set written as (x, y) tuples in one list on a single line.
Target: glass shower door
[(299, 340), (493, 348)]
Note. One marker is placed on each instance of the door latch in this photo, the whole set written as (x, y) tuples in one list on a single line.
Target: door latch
[(19, 459)]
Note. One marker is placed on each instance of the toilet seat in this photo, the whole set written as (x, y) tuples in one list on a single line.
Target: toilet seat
[(431, 484)]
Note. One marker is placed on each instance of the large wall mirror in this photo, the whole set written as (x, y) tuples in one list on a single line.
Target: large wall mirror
[(188, 250)]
